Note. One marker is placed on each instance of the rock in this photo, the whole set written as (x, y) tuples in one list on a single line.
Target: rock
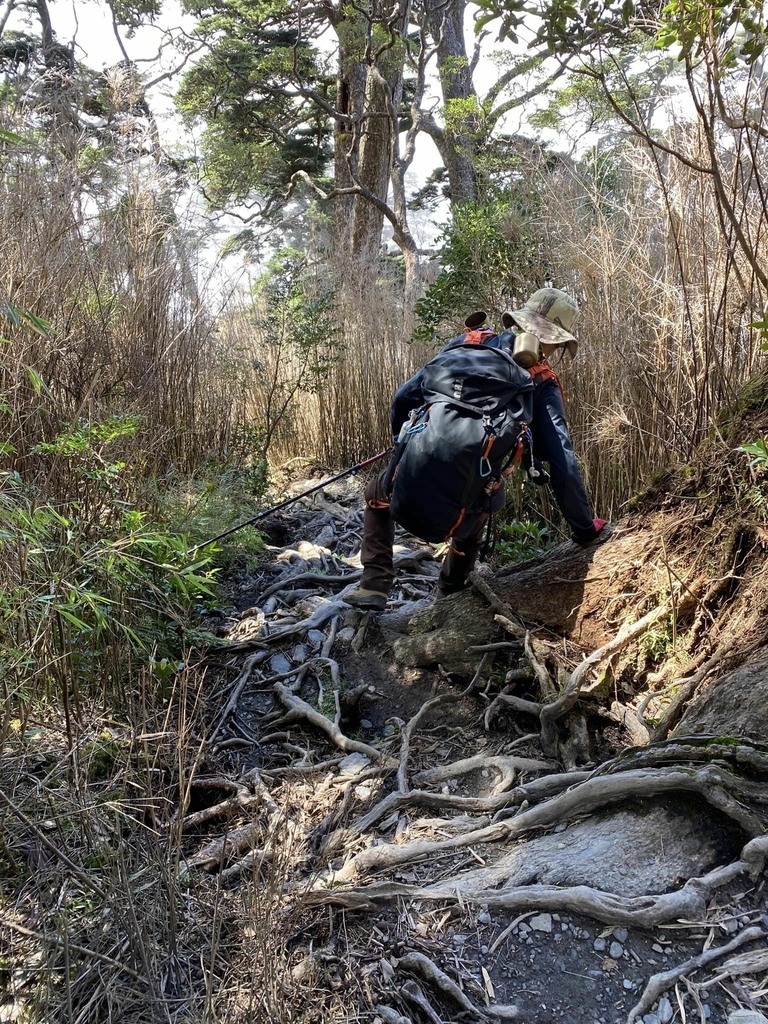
[(628, 984), (484, 918), (353, 764), (366, 723), (616, 951), (651, 1018), (279, 663), (347, 634), (664, 1010), (736, 705), (316, 637), (731, 926), (299, 654), (302, 970), (599, 945), (620, 934), (747, 1017), (541, 923), (326, 538)]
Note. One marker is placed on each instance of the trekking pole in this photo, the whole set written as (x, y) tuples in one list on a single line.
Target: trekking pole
[(289, 501)]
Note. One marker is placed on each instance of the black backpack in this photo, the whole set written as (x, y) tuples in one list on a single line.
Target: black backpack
[(451, 453)]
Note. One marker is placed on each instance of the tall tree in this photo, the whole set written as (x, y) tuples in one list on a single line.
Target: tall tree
[(269, 92)]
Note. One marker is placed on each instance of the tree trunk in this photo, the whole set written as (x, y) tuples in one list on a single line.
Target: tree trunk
[(458, 142), (350, 101), (369, 91)]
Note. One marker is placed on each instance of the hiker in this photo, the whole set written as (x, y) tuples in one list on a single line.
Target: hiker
[(543, 327)]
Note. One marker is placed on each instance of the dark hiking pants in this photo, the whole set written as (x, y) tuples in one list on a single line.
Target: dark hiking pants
[(379, 538), (552, 444)]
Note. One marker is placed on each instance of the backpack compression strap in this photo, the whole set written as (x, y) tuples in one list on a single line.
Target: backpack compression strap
[(478, 337)]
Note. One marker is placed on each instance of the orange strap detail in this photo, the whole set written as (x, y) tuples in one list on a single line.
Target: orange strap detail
[(543, 371), (477, 337), (456, 525), (489, 445)]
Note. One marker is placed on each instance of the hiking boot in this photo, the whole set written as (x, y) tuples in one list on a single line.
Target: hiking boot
[(444, 589), (371, 600), (600, 533)]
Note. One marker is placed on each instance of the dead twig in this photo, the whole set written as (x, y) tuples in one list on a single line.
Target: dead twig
[(659, 983), (53, 940), (298, 709), (86, 880)]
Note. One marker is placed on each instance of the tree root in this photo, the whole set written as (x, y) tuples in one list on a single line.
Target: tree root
[(690, 750), (299, 710), (241, 800), (710, 782), (213, 855), (508, 767), (390, 1016), (628, 720), (634, 911), (658, 984), (552, 709), (239, 685), (318, 618), (408, 730), (303, 577), (250, 790), (684, 694), (562, 704), (417, 963), (524, 707)]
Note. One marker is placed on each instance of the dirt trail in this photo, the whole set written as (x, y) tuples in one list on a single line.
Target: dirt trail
[(457, 815)]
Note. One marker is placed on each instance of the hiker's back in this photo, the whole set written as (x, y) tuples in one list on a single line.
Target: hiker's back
[(452, 450)]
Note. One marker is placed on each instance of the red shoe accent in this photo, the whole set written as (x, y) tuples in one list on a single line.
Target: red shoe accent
[(599, 524)]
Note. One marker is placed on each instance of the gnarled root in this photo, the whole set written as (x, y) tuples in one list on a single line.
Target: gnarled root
[(714, 784), (635, 911)]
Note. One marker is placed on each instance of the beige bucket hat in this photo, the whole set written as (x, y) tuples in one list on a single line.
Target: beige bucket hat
[(549, 314)]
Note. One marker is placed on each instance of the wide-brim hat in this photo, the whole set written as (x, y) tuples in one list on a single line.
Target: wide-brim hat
[(549, 314)]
